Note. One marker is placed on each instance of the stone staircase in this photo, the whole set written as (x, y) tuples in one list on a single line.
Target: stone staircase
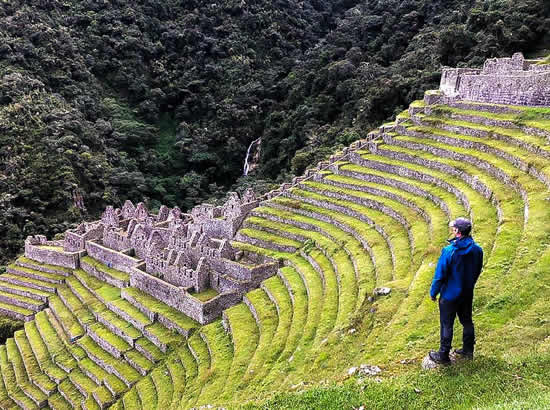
[(373, 217)]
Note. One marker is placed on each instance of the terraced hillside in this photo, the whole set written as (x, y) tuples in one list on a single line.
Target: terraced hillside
[(377, 217)]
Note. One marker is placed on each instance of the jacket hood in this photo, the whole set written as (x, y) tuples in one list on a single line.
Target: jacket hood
[(462, 245)]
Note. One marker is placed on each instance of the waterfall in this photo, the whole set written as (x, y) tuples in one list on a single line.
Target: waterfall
[(246, 164)]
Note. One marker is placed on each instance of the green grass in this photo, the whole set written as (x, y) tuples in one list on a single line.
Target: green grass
[(485, 383), (145, 344), (205, 295), (131, 311), (182, 368), (59, 355), (246, 335), (81, 380), (16, 309), (69, 322), (114, 273), (23, 281), (10, 381), (110, 338), (122, 368), (162, 309), (31, 364), (20, 372), (39, 293), (147, 392), (28, 261), (269, 237), (38, 274), (164, 385), (199, 349), (221, 350), (140, 360), (268, 322)]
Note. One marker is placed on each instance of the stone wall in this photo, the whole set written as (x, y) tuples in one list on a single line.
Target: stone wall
[(180, 299), (512, 81), (50, 252), (110, 257)]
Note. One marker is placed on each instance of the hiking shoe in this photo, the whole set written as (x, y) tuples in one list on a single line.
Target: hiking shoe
[(465, 354), (440, 358)]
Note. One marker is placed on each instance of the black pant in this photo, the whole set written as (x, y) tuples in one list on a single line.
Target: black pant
[(448, 310)]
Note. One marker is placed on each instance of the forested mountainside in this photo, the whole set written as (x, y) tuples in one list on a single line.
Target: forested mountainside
[(158, 100)]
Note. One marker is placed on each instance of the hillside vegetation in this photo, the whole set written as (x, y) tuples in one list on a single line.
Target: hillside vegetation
[(158, 100)]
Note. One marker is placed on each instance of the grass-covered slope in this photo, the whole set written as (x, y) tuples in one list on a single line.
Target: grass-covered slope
[(376, 218)]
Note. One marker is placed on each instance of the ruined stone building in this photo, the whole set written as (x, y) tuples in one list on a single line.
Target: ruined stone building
[(170, 255), (513, 80)]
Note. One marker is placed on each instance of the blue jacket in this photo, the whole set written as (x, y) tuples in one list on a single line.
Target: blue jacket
[(458, 268)]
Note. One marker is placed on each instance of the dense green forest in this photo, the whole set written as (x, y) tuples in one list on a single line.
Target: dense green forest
[(158, 100)]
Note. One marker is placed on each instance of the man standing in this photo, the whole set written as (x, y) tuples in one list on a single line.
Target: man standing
[(457, 271)]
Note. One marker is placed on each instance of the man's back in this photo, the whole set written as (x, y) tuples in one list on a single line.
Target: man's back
[(458, 268)]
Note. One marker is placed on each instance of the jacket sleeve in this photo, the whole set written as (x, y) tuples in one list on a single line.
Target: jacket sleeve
[(441, 273)]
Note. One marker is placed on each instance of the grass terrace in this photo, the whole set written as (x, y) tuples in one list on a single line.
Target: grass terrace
[(378, 219)]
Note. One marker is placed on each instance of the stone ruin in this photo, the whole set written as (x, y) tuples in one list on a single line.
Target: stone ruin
[(170, 255), (514, 81)]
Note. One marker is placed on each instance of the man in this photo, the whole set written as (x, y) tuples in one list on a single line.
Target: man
[(457, 271)]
